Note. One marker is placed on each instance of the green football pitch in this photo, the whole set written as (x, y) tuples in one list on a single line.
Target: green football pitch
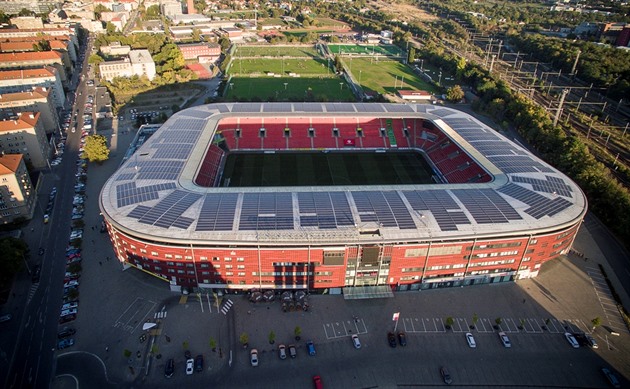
[(288, 89), (366, 50), (325, 168)]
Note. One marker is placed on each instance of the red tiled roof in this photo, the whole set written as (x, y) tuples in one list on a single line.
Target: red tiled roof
[(25, 120), (30, 56), (46, 71), (403, 92), (9, 163), (36, 93)]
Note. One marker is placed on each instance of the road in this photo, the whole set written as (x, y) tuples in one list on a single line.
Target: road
[(31, 364)]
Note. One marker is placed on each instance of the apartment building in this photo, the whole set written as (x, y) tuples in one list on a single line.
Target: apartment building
[(138, 63), (26, 135), (204, 52), (37, 59), (38, 100), (17, 195), (25, 80)]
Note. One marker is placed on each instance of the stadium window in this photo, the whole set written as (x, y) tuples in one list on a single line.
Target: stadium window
[(227, 259), (261, 132), (155, 253), (190, 272), (216, 259), (359, 132), (383, 135), (242, 282), (203, 258), (169, 256), (335, 132), (181, 272), (406, 132), (240, 259), (237, 134), (287, 132), (311, 132), (178, 256)]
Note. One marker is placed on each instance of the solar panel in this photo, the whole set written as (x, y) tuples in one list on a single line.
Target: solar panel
[(324, 209), (217, 212), (180, 136), (398, 108), (442, 112), (167, 212), (172, 151), (369, 107), (125, 176), (247, 107), (518, 164), (139, 211), (197, 113), (384, 208), (187, 124), (266, 211), (159, 169), (539, 205), (486, 206), (442, 206), (128, 193), (489, 148), (552, 184)]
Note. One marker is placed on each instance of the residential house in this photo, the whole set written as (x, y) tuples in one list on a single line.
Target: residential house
[(17, 194), (24, 80), (26, 135), (37, 100)]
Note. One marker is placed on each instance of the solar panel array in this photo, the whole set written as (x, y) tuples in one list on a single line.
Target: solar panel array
[(486, 206), (443, 207), (552, 184), (518, 164), (159, 169), (168, 211), (217, 212), (171, 148), (384, 208), (324, 209), (128, 193), (266, 211), (539, 205)]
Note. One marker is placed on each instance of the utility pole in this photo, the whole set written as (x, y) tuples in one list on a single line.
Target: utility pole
[(492, 62), (577, 57), (562, 96)]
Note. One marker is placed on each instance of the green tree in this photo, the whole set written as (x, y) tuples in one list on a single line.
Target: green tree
[(454, 93), (596, 322), (14, 251), (297, 332), (213, 344), (96, 149), (224, 41), (449, 322), (338, 64), (95, 59), (26, 12), (110, 28), (99, 9), (153, 12), (42, 45), (411, 56), (244, 338), (272, 337), (196, 35)]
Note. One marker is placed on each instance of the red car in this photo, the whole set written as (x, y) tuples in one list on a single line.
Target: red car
[(317, 381)]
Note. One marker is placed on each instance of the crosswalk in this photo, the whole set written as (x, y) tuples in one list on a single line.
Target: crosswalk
[(31, 292), (225, 307), (160, 315)]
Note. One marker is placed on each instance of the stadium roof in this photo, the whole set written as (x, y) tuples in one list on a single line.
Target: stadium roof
[(153, 194)]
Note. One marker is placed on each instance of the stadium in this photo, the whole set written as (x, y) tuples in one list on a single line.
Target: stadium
[(331, 197)]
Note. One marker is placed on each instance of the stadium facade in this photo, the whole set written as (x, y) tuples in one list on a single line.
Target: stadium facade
[(494, 213)]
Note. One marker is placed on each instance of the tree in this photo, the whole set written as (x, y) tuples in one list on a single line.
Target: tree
[(297, 332), (95, 59), (13, 252), (213, 344), (99, 9), (196, 35), (411, 56), (338, 64), (96, 149), (224, 42), (449, 322), (272, 337), (454, 94), (42, 45), (596, 322), (475, 319), (244, 338), (153, 12)]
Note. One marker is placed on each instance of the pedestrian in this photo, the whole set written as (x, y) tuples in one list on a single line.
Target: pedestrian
[(100, 263), (106, 348), (92, 228)]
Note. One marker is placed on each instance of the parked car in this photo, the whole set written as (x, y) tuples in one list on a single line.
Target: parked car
[(391, 339), (190, 366), (402, 338), (571, 339), (5, 317), (169, 369), (69, 305), (65, 343), (282, 351), (66, 332), (356, 342), (446, 376), (505, 340), (68, 312), (292, 351), (253, 357), (36, 273), (471, 340), (46, 218), (590, 341), (199, 363), (612, 378), (310, 347), (317, 382)]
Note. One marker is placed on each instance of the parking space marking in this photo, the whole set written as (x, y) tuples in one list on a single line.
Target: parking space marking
[(341, 329), (606, 301), (135, 314), (486, 325)]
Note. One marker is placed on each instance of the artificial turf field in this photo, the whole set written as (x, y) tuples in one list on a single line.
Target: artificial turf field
[(320, 168)]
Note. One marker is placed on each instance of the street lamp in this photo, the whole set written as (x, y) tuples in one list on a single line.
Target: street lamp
[(340, 85), (360, 76), (285, 85)]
